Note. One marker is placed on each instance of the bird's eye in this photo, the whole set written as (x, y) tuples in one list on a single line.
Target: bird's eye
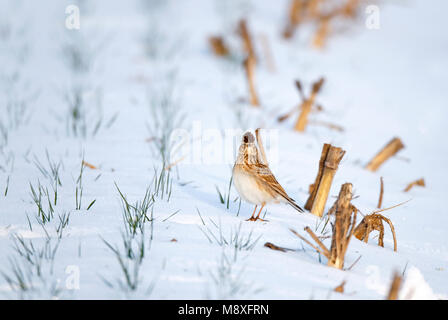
[(246, 139)]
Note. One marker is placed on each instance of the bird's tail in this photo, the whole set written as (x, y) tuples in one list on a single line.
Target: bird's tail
[(294, 204)]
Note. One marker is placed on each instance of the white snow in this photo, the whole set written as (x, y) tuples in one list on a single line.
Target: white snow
[(379, 84)]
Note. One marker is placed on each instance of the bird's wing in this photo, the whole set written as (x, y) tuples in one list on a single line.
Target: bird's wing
[(264, 175)]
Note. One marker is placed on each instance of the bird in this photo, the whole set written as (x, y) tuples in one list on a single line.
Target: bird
[(254, 180)]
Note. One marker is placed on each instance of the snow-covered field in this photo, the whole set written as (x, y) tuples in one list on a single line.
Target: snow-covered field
[(111, 93)]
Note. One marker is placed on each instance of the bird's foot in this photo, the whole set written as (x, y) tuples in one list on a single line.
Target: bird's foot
[(256, 219)]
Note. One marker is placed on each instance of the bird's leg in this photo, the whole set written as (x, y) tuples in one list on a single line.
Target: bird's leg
[(252, 218), (259, 212)]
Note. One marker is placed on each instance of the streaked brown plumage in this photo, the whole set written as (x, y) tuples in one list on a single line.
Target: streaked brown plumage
[(254, 180)]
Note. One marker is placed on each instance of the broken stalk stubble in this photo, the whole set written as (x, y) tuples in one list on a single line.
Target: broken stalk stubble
[(343, 228), (249, 65), (307, 105), (388, 151), (328, 165)]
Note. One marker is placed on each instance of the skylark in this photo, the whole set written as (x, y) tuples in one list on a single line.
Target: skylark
[(254, 180)]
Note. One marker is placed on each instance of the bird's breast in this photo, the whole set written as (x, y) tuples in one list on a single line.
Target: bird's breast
[(249, 188)]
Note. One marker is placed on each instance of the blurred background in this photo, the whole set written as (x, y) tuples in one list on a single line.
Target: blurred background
[(102, 95)]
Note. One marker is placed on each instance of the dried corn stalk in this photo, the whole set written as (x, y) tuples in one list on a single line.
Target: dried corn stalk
[(89, 165), (295, 14), (419, 182), (274, 247), (247, 40), (218, 46), (380, 200), (328, 165), (343, 228), (374, 222), (263, 157), (319, 13), (340, 288), (307, 104), (388, 151), (313, 8), (395, 287), (302, 96), (249, 66), (322, 32), (350, 9)]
